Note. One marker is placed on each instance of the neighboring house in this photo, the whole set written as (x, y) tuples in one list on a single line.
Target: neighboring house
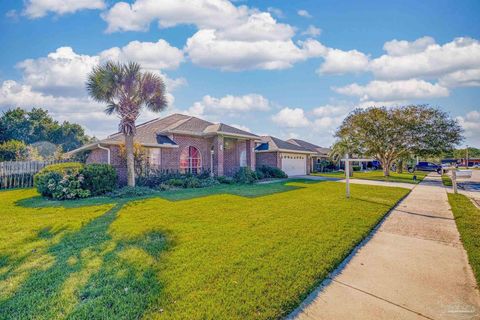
[(181, 143), (291, 158), (320, 152)]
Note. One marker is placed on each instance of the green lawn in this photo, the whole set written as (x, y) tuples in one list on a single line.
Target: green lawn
[(467, 218), (446, 180), (227, 252), (378, 175)]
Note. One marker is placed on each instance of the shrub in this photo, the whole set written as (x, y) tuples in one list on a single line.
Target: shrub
[(225, 180), (191, 182), (175, 182), (208, 182), (66, 167), (45, 182), (271, 172), (128, 192), (356, 168), (99, 178), (69, 187), (61, 181), (245, 175)]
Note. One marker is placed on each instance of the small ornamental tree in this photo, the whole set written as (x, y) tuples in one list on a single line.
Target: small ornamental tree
[(389, 134)]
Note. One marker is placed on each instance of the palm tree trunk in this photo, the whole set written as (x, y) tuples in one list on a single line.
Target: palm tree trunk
[(130, 160)]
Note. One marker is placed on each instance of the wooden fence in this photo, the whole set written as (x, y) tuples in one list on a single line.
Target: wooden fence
[(19, 174)]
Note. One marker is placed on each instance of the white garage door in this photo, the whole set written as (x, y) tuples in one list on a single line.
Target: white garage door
[(294, 164)]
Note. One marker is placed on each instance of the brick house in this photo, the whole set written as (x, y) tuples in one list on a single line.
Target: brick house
[(181, 143), (293, 159), (320, 154)]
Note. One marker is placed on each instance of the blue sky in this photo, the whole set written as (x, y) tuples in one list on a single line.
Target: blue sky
[(286, 68)]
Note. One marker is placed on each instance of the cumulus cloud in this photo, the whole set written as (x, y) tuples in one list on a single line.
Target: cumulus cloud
[(291, 118), (312, 31), (428, 60), (138, 16), (471, 124), (241, 127), (39, 8), (398, 48), (229, 104), (228, 37), (394, 90), (60, 71), (339, 62), (64, 72), (158, 55), (304, 13), (462, 78), (206, 49)]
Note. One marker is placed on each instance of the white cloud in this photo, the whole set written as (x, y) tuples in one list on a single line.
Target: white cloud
[(206, 49), (158, 55), (471, 124), (291, 118), (428, 60), (462, 78), (40, 8), (60, 71), (241, 127), (398, 48), (312, 31), (203, 13), (64, 72), (304, 13), (229, 104), (276, 12), (394, 90), (258, 26), (339, 62)]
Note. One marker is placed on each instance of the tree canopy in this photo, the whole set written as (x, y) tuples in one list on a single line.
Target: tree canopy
[(37, 125), (389, 134)]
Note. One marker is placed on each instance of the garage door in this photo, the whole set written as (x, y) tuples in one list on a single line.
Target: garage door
[(294, 164)]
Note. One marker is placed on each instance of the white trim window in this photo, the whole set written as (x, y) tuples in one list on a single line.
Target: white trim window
[(155, 157), (243, 158)]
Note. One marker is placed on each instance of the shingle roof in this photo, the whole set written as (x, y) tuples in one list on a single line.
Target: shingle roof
[(178, 123), (276, 144), (310, 146)]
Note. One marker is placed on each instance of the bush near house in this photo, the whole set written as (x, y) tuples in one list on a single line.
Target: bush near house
[(245, 175), (74, 180), (99, 178), (266, 172)]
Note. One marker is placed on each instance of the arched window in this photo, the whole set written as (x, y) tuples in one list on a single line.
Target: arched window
[(190, 160)]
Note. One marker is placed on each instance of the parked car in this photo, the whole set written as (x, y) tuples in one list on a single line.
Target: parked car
[(426, 166)]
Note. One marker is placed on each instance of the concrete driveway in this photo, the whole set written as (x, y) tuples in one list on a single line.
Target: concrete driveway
[(412, 267)]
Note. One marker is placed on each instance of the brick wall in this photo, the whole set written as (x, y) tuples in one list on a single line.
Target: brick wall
[(101, 156), (270, 159)]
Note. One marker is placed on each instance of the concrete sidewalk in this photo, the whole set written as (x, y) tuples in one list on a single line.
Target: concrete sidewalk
[(413, 267)]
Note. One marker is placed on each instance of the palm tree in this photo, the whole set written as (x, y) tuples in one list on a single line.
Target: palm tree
[(126, 90), (339, 149)]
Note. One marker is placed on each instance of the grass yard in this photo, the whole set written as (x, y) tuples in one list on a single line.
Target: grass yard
[(227, 252), (446, 180), (378, 175), (467, 218)]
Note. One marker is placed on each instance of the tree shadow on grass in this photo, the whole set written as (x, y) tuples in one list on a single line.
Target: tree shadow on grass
[(90, 278)]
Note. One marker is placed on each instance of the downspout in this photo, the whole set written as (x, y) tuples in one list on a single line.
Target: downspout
[(108, 152)]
